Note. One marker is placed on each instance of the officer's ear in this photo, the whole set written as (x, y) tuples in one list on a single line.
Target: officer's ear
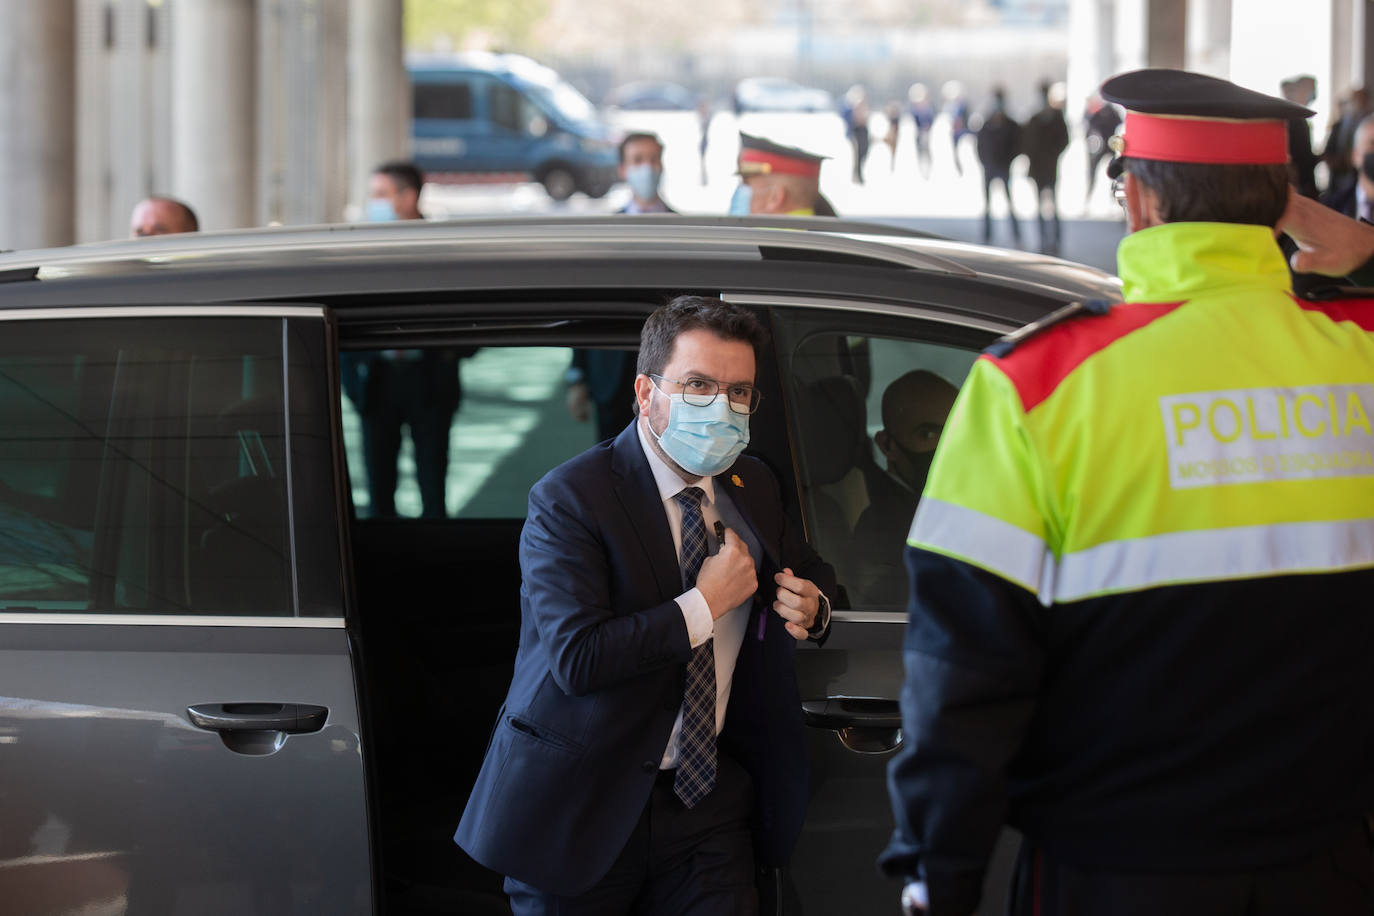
[(1142, 205)]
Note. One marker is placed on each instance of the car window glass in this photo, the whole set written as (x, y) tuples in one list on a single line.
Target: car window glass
[(465, 432), (863, 461), (452, 101), (508, 107), (144, 467)]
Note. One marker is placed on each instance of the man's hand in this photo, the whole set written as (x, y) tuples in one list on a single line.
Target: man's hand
[(727, 579), (579, 401), (797, 604), (1328, 242)]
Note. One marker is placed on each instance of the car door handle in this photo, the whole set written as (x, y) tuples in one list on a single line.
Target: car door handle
[(852, 712), (865, 725), (287, 718)]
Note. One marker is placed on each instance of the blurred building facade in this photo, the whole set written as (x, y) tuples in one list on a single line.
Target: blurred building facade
[(260, 111), (252, 111)]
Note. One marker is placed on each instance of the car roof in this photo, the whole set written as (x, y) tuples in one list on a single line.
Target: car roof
[(631, 258)]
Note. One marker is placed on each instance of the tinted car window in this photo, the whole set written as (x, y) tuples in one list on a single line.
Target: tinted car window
[(510, 109), (446, 100), (863, 461), (502, 414), (144, 468)]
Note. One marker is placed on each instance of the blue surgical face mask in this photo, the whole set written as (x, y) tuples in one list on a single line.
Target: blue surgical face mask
[(643, 180), (379, 210), (740, 201), (703, 440)]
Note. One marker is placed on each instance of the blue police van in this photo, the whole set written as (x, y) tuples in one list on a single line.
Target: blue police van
[(483, 116)]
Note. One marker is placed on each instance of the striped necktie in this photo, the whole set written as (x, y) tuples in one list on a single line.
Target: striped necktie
[(696, 768)]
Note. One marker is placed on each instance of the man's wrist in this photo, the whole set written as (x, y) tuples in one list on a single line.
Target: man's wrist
[(822, 621)]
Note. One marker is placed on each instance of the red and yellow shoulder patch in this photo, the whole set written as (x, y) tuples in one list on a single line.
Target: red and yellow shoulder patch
[(1358, 311), (1038, 365)]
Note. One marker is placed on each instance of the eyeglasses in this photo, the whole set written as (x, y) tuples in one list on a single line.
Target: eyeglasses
[(1119, 192), (700, 392)]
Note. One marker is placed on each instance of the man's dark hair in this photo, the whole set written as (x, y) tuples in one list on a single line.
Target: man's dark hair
[(636, 136), (1203, 192), (690, 313), (183, 208), (404, 174)]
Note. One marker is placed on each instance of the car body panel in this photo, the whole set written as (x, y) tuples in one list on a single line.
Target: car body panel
[(772, 93), (101, 763)]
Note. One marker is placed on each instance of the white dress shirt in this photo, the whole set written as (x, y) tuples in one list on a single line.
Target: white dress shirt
[(729, 629)]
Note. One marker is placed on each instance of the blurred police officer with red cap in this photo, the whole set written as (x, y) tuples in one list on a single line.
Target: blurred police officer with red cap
[(1141, 628), (777, 179)]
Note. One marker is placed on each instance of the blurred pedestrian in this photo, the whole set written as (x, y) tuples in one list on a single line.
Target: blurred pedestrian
[(855, 113), (1353, 195), (957, 109), (1044, 140), (602, 381), (160, 215), (1100, 121), (893, 113), (393, 192), (1302, 162), (777, 179), (1339, 140), (641, 167), (999, 143), (1139, 627), (923, 116), (403, 389)]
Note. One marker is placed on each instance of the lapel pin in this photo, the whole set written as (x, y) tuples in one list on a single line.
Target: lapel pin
[(734, 479)]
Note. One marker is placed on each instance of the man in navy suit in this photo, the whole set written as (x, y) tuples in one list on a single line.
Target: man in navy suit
[(651, 747)]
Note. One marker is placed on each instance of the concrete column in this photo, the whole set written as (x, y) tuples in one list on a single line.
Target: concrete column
[(122, 146), (1209, 37), (1092, 50), (1166, 25), (37, 123), (214, 91), (378, 91)]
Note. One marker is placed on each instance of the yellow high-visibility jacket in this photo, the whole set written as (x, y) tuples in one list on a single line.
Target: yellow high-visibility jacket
[(1142, 621)]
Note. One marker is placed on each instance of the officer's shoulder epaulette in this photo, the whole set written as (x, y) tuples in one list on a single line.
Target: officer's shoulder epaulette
[(1008, 342)]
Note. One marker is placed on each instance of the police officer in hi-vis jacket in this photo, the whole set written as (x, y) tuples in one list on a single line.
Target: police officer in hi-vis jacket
[(1142, 571)]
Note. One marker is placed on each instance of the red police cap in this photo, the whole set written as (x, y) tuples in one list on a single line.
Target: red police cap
[(758, 156), (1177, 116)]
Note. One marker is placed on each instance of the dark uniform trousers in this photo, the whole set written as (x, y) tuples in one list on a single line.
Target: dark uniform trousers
[(678, 861), (1339, 881)]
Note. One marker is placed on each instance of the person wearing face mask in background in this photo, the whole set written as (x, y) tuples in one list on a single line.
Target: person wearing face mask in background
[(651, 750), (601, 382), (414, 389), (1354, 196), (393, 192), (779, 180), (914, 409), (641, 167)]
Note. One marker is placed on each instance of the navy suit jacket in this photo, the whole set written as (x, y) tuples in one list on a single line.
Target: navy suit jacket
[(601, 668)]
